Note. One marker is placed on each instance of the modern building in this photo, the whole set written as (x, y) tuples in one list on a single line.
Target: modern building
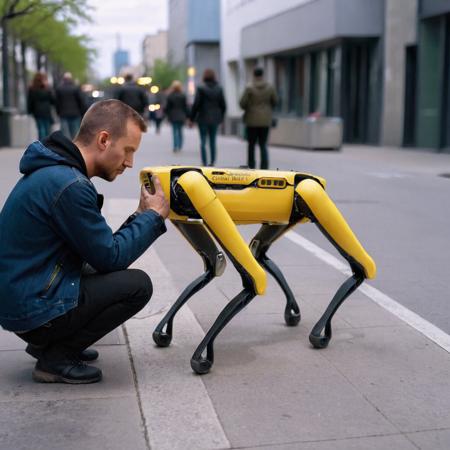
[(121, 59), (193, 37), (154, 46), (380, 65)]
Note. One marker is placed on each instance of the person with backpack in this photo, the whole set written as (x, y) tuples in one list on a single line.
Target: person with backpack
[(258, 101)]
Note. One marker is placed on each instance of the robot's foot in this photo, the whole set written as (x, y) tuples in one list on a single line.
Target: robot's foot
[(321, 334), (162, 339), (319, 341), (291, 317), (201, 365)]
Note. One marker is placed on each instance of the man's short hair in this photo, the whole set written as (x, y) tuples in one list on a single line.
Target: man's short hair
[(258, 72), (108, 115)]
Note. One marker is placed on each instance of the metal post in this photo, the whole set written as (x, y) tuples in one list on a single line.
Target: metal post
[(5, 63)]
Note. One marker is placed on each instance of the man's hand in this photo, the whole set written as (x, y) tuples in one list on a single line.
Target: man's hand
[(156, 201)]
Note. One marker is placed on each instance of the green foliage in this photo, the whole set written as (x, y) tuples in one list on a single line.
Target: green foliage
[(164, 73), (46, 26)]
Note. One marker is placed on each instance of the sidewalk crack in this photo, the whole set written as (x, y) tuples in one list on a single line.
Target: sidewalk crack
[(136, 386)]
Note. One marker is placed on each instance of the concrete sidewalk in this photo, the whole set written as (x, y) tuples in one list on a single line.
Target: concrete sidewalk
[(379, 385)]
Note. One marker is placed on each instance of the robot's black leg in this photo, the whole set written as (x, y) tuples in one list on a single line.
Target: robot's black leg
[(321, 333), (292, 314), (163, 337), (202, 365), (214, 261), (259, 245), (312, 202)]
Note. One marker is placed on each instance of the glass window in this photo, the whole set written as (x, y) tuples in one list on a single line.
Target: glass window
[(289, 84), (281, 85)]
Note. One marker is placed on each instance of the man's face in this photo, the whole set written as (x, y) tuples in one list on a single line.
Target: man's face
[(119, 153)]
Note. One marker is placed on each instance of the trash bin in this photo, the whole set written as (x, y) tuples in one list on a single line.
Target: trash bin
[(321, 133), (5, 126), (22, 130)]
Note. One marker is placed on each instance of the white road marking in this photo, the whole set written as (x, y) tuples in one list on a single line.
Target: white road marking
[(411, 318)]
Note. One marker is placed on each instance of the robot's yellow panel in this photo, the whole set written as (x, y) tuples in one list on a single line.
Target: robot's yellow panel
[(249, 196)]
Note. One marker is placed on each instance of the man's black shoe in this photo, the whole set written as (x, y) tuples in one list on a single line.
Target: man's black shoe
[(86, 355), (65, 371)]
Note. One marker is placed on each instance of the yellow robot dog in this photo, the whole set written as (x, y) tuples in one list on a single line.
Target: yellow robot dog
[(208, 202)]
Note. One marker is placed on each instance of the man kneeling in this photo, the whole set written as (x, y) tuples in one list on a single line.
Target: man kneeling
[(64, 282)]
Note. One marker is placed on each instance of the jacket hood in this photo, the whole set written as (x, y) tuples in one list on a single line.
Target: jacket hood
[(53, 150)]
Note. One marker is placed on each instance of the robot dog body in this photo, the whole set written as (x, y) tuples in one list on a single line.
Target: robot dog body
[(207, 203)]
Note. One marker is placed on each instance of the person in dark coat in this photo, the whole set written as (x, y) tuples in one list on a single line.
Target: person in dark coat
[(177, 112), (133, 95), (258, 101), (40, 100), (70, 105), (208, 111)]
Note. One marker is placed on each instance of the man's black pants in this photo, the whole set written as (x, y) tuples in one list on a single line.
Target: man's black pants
[(105, 302), (260, 135)]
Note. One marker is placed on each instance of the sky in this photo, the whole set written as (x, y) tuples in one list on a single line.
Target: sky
[(131, 19)]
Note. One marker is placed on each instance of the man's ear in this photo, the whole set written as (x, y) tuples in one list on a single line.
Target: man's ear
[(103, 140)]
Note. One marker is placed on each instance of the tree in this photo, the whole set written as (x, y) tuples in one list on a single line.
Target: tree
[(42, 10), (52, 37), (164, 73)]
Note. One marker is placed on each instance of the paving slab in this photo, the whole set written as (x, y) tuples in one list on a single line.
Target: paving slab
[(71, 424), (431, 440), (403, 374), (397, 442), (270, 389)]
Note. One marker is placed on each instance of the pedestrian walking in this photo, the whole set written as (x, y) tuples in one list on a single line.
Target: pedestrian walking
[(70, 105), (157, 110), (133, 95), (258, 101), (64, 277), (158, 117), (177, 113), (208, 111), (40, 101)]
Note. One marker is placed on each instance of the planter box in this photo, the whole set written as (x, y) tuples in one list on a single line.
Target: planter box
[(310, 133)]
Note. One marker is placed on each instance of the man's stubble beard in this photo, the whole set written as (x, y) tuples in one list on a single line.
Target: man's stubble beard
[(108, 176)]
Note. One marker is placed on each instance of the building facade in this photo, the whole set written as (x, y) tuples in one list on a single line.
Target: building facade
[(154, 46), (380, 65), (430, 62), (121, 59), (193, 38)]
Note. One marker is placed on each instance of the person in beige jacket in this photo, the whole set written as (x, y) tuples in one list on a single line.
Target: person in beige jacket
[(258, 101)]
